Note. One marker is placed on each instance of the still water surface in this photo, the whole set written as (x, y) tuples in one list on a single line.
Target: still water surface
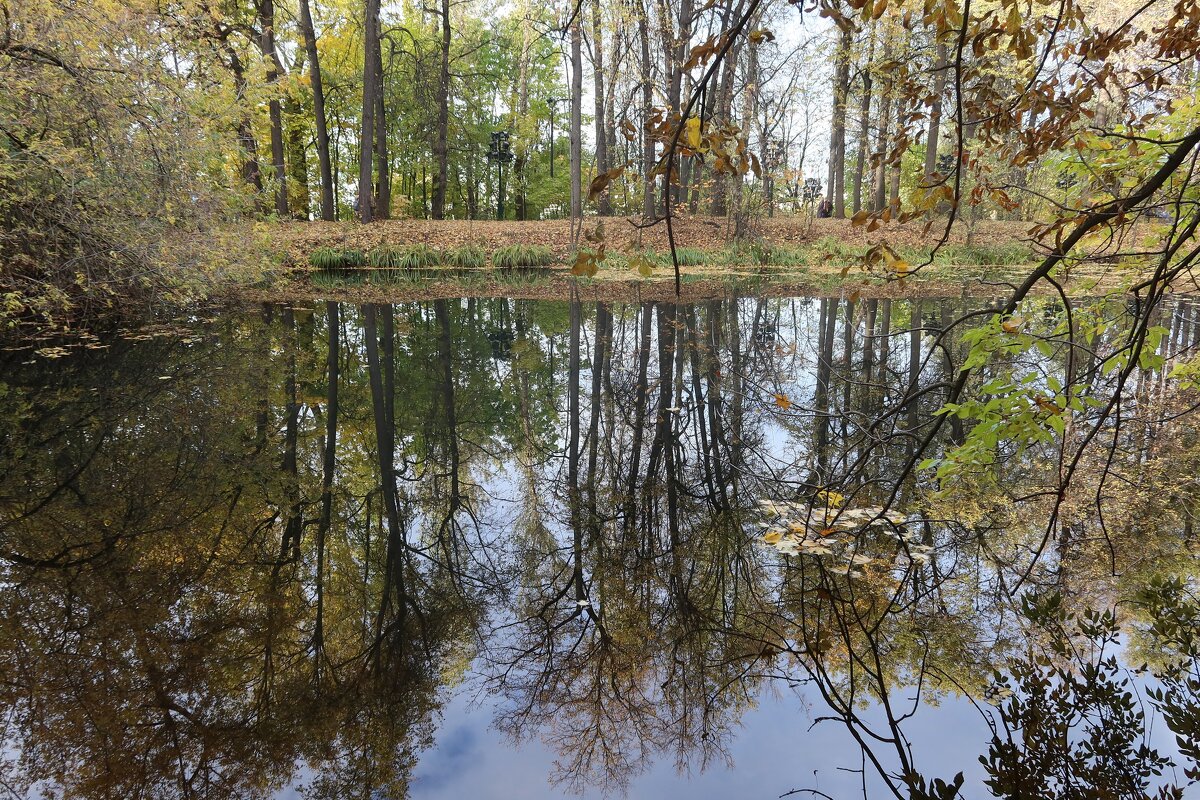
[(496, 548)]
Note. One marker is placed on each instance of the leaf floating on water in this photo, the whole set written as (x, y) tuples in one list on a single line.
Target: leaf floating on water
[(782, 401)]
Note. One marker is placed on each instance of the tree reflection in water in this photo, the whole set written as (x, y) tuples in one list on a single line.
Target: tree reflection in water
[(261, 549)]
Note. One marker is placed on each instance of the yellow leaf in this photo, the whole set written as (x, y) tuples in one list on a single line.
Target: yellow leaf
[(782, 401), (586, 264), (691, 133), (642, 265), (1012, 325), (833, 499)]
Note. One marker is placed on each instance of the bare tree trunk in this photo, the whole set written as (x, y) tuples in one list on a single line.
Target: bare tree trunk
[(883, 140), (442, 132), (521, 200), (720, 198), (647, 109), (749, 102), (605, 206), (328, 207), (935, 114), (383, 179), (266, 44), (576, 125), (837, 144), (864, 128), (366, 193), (675, 62)]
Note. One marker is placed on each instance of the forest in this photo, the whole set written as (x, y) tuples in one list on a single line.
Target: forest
[(165, 151), (737, 398)]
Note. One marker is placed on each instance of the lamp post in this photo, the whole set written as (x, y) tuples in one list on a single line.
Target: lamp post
[(500, 153), (553, 101)]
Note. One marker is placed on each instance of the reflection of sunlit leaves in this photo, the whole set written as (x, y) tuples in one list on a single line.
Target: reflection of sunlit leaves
[(997, 693), (830, 498)]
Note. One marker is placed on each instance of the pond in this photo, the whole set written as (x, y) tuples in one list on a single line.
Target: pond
[(510, 548)]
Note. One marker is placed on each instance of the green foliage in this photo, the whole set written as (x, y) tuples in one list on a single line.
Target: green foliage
[(467, 256), (1007, 254), (335, 258), (417, 256), (687, 257), (388, 256), (836, 249), (784, 256), (516, 256)]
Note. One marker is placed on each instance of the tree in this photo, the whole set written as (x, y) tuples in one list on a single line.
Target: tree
[(441, 132), (367, 129), (328, 204)]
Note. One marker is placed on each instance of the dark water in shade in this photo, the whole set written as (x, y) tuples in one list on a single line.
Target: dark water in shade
[(496, 548)]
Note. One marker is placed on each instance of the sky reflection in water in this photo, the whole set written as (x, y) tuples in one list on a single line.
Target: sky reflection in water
[(567, 587)]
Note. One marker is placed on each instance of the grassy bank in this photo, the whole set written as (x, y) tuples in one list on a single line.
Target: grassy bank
[(400, 259)]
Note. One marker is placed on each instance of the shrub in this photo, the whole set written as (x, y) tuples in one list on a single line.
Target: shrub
[(784, 256), (388, 256), (468, 256), (333, 258), (688, 257), (416, 256), (522, 255), (421, 255)]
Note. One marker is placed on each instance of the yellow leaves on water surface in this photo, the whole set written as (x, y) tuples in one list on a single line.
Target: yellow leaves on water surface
[(783, 402)]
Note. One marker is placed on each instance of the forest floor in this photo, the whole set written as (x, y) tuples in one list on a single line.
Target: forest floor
[(781, 255)]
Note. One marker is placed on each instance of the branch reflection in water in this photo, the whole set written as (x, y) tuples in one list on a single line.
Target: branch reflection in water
[(263, 550)]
